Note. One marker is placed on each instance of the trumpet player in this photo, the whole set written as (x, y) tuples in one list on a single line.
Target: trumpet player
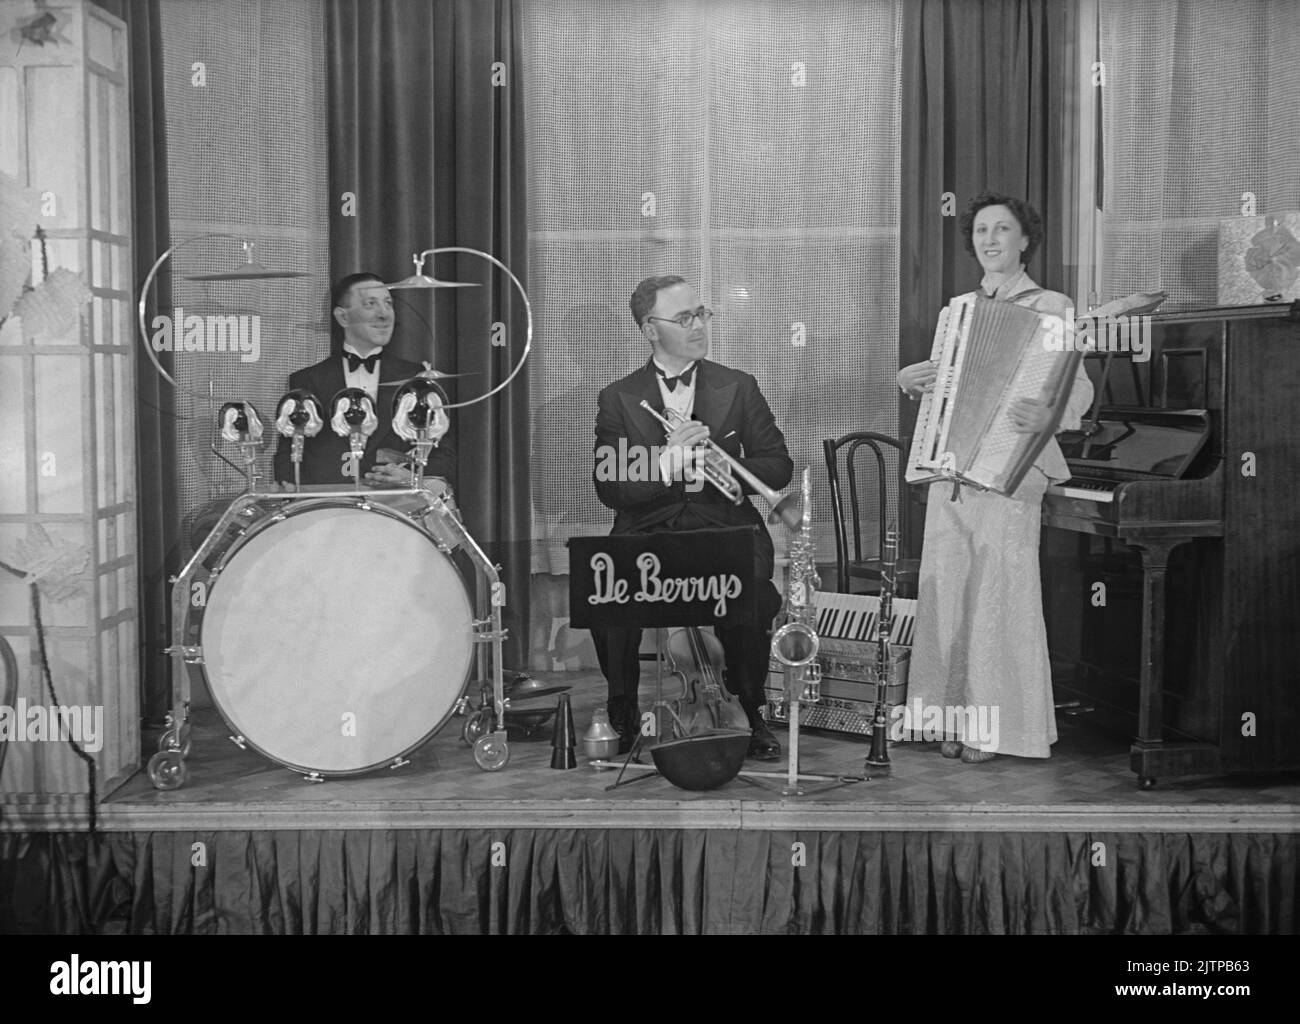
[(708, 403)]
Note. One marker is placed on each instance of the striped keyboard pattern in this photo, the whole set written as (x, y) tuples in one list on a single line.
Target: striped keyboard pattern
[(848, 628), (856, 617)]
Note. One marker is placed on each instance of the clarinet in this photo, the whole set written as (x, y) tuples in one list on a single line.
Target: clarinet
[(879, 755)]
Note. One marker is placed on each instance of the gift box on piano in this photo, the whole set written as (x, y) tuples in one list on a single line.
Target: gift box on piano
[(1259, 259), (848, 630)]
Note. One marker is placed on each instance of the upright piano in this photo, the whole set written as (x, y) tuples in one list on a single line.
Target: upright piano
[(1171, 562)]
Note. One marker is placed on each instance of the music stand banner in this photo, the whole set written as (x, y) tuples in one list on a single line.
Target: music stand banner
[(686, 578)]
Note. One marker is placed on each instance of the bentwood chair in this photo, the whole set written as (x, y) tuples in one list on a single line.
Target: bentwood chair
[(9, 689), (882, 474)]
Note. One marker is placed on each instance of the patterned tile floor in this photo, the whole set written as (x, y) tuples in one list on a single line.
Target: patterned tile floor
[(1085, 784)]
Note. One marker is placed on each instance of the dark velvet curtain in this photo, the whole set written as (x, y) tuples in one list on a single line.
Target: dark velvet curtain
[(599, 881), (427, 135), (158, 507), (984, 86)]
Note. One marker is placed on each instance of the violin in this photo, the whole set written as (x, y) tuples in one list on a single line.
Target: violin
[(706, 702)]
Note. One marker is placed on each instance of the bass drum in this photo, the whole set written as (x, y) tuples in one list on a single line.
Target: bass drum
[(336, 638)]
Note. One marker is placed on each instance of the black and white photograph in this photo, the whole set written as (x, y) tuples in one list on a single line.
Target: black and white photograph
[(650, 468)]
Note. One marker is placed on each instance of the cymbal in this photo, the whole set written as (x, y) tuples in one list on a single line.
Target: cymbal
[(425, 281), (528, 688), (436, 374), (251, 271)]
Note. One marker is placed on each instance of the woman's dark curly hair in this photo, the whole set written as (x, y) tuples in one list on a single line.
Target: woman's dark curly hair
[(1030, 223)]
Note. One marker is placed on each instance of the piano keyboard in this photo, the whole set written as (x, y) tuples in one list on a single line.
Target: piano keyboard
[(1081, 487)]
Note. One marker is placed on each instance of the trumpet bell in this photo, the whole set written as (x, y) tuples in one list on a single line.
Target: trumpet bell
[(788, 510)]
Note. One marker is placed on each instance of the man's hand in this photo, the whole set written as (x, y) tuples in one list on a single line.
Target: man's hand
[(390, 476), (678, 459)]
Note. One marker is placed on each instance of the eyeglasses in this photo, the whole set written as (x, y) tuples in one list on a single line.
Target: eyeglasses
[(684, 320)]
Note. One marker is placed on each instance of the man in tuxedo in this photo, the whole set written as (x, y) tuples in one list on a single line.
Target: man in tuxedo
[(714, 402), (363, 307)]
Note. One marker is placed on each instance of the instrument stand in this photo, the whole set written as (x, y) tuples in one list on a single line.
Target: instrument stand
[(663, 712), (792, 776), (797, 691)]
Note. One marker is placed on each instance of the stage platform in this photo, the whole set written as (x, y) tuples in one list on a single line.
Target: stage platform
[(1065, 844), (1086, 784)]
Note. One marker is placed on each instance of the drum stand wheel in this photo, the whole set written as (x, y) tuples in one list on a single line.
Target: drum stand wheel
[(167, 769), (492, 752), (176, 739), (478, 726)]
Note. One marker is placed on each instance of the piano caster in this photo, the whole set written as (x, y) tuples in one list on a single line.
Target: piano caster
[(1146, 782)]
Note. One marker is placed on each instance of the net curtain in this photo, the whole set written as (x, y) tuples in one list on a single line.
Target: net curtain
[(750, 146), (1201, 106)]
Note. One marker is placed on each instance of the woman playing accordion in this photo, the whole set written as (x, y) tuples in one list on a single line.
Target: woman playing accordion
[(981, 641)]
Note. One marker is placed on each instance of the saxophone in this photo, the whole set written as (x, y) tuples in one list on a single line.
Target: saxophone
[(795, 642)]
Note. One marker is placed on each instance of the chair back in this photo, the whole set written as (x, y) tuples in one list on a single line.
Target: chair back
[(889, 486)]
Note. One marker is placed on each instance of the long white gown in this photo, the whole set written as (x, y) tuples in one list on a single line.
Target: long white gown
[(980, 650)]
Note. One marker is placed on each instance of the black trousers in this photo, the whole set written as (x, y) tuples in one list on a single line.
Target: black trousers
[(746, 649)]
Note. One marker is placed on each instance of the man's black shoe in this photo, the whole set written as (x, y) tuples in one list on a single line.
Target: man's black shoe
[(625, 717), (762, 744)]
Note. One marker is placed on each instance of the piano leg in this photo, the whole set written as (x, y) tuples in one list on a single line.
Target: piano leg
[(1149, 753)]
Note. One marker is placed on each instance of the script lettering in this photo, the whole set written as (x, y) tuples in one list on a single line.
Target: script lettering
[(608, 589), (718, 589)]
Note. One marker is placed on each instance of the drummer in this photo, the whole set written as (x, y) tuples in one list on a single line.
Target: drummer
[(363, 307)]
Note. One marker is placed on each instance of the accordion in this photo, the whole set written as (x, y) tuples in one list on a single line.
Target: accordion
[(989, 354), (848, 628)]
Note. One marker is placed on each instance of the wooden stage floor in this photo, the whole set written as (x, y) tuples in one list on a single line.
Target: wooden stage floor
[(1085, 786)]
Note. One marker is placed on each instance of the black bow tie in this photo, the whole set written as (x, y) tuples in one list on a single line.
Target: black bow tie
[(355, 361), (671, 382)]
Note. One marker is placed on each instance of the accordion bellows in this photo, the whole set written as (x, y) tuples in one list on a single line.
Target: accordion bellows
[(989, 354)]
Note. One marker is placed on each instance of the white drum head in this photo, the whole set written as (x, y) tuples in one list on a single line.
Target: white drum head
[(337, 639)]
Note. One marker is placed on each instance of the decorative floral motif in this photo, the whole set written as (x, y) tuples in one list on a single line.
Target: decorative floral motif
[(52, 309), (43, 27), (20, 209), (1273, 258), (61, 568)]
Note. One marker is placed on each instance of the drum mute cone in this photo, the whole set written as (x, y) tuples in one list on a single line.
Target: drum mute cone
[(563, 737)]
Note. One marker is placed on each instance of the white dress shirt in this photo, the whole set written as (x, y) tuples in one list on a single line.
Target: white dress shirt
[(680, 399), (359, 378)]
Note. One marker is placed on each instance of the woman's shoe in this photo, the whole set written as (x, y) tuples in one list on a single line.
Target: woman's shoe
[(950, 748), (972, 756)]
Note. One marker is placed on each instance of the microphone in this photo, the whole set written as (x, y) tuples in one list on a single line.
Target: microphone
[(353, 416), (299, 414)]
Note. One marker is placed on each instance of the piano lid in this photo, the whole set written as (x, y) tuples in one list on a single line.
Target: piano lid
[(1127, 443)]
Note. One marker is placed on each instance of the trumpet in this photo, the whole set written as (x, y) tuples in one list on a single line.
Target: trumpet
[(784, 507)]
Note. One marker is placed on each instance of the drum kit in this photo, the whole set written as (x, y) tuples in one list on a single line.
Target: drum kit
[(333, 628)]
